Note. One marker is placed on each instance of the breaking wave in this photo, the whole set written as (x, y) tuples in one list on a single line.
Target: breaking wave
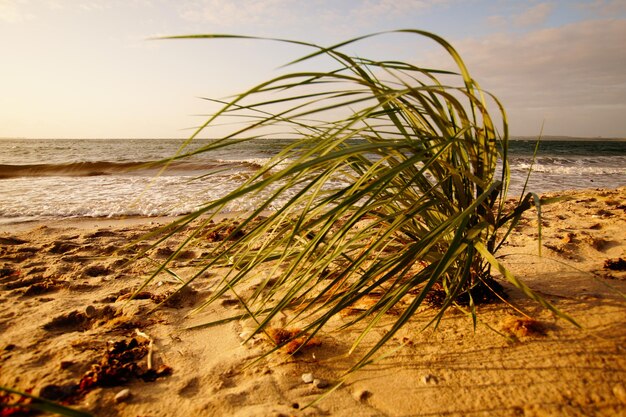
[(99, 168)]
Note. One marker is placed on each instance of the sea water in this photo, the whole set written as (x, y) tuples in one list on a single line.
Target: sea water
[(58, 178)]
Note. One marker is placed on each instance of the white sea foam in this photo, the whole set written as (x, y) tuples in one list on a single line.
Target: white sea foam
[(578, 169), (112, 192)]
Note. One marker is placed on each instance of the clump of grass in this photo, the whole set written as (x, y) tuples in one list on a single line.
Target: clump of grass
[(388, 192)]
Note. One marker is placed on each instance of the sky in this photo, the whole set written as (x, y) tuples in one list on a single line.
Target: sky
[(92, 69)]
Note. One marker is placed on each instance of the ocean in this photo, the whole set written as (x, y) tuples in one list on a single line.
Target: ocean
[(63, 178)]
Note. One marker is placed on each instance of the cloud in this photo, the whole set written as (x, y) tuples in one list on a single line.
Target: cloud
[(393, 8), (276, 13), (604, 7), (497, 21), (587, 58), (13, 11), (236, 12), (533, 16), (579, 66), (18, 11)]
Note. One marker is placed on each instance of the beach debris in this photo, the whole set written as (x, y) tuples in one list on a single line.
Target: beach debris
[(568, 238), (224, 229), (122, 396), (307, 378), (120, 364), (117, 366), (291, 340), (523, 326), (150, 346), (618, 264)]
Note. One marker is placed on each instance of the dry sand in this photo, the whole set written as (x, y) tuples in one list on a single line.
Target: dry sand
[(64, 302)]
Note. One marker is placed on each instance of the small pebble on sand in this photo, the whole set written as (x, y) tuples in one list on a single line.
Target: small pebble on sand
[(122, 396), (90, 311)]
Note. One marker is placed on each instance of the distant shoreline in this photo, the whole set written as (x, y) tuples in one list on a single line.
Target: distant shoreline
[(545, 138), (568, 138)]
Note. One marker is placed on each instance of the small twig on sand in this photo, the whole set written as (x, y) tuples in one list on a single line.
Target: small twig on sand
[(150, 345)]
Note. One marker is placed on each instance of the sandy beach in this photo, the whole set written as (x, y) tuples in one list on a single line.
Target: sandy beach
[(69, 331)]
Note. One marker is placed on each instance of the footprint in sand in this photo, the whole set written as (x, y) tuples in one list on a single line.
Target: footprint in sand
[(75, 320), (102, 233), (190, 388), (16, 281), (8, 274), (61, 247), (9, 240), (12, 249), (44, 286), (601, 244), (96, 271)]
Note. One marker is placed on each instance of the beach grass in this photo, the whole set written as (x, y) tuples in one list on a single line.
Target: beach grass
[(392, 192)]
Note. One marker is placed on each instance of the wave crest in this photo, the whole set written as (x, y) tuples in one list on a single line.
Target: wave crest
[(99, 168)]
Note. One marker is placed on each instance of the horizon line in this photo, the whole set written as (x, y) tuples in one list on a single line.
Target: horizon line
[(511, 137)]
